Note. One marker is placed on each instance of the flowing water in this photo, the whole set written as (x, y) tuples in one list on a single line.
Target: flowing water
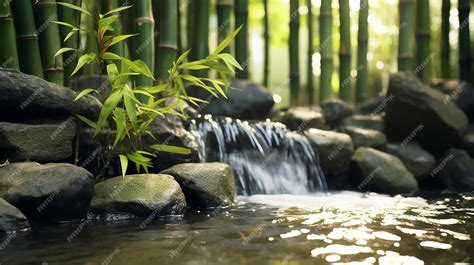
[(267, 229), (280, 219)]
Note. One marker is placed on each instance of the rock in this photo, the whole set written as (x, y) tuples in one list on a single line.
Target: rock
[(460, 92), (456, 170), (25, 96), (48, 141), (417, 160), (205, 184), (382, 172), (11, 219), (49, 192), (245, 100), (97, 82), (422, 114), (468, 140), (335, 110), (301, 118), (335, 153), (372, 122), (375, 106), (365, 137), (140, 195)]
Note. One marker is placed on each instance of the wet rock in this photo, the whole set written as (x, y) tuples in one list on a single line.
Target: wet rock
[(456, 170), (459, 92), (11, 219), (382, 172), (140, 195), (301, 118), (468, 140), (365, 137), (49, 192), (374, 106), (422, 114), (335, 110), (371, 122), (25, 96), (48, 141), (205, 184), (335, 152), (417, 160), (245, 100)]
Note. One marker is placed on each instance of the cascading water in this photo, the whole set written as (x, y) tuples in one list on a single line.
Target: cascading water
[(265, 156)]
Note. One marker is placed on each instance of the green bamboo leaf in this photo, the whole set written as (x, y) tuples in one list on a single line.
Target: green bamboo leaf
[(229, 59), (88, 122), (156, 89), (226, 41), (182, 57), (104, 23), (70, 34), (116, 10), (83, 60), (63, 50), (84, 92), (120, 38), (171, 149), (112, 71), (193, 67), (109, 105), (123, 164), (65, 24), (77, 8), (111, 56), (131, 108), (120, 121), (139, 67)]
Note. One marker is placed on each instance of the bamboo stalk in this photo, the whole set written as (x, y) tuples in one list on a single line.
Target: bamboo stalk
[(325, 48), (406, 35), (423, 36), (27, 39), (107, 5), (49, 41), (294, 52), (362, 80), (88, 43), (190, 24), (167, 48), (309, 67), (8, 49), (145, 41), (266, 45), (345, 86), (444, 40), (70, 16), (180, 31), (464, 41), (224, 8), (241, 40), (200, 43)]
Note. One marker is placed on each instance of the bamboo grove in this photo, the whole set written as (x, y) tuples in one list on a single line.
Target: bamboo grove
[(30, 40)]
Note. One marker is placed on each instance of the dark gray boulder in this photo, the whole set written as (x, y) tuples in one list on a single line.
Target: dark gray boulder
[(365, 137), (245, 100), (335, 110), (456, 170), (417, 160), (422, 114), (301, 118), (459, 92), (468, 140), (205, 184), (43, 141), (371, 122), (141, 195), (49, 192), (381, 172), (25, 96), (11, 219)]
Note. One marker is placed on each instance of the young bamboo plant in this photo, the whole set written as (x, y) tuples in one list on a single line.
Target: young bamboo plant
[(129, 118)]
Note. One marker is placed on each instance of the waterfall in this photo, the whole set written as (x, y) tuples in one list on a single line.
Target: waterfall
[(265, 156)]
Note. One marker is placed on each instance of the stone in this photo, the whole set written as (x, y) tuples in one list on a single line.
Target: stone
[(372, 122), (417, 160), (422, 114), (468, 140), (98, 82), (335, 110), (205, 184), (11, 219), (140, 195), (382, 172), (45, 142), (301, 118), (49, 192), (245, 100), (25, 96), (459, 92), (456, 170), (365, 137)]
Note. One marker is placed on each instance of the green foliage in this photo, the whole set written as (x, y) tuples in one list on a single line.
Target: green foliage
[(122, 113)]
